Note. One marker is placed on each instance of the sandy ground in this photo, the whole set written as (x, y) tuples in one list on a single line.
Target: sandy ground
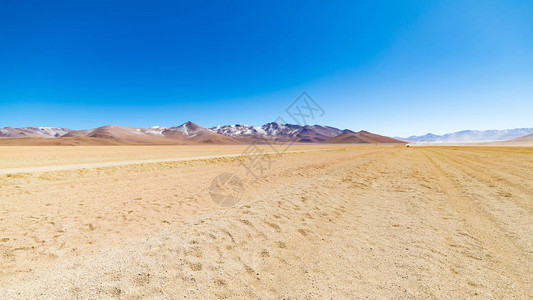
[(93, 165), (37, 156), (349, 222)]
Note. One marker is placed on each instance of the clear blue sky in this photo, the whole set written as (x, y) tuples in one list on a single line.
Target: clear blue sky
[(392, 67)]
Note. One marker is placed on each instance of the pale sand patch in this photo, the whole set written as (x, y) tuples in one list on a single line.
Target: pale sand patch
[(135, 162), (37, 156)]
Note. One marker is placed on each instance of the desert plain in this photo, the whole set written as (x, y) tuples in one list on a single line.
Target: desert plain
[(321, 222)]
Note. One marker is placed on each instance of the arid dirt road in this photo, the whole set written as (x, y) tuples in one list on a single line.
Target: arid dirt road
[(348, 222)]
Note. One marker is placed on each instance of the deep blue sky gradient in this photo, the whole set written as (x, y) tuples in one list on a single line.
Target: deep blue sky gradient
[(391, 67)]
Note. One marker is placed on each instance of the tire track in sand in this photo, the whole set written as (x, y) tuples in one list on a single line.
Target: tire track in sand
[(485, 176), (483, 228)]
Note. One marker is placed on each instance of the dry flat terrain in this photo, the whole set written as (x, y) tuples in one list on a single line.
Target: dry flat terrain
[(334, 222)]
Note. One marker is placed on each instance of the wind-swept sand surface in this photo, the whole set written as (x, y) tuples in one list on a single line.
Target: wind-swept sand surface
[(352, 221)]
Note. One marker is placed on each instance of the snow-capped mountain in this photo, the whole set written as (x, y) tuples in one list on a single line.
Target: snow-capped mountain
[(188, 129), (193, 132), (269, 130), (278, 132), (466, 136), (43, 132)]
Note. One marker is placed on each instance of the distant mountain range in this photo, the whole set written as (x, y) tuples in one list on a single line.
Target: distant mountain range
[(467, 136), (45, 132), (189, 133), (186, 133)]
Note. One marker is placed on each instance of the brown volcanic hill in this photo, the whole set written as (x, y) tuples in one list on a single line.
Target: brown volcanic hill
[(120, 134), (316, 134), (362, 137), (347, 137), (526, 138), (187, 133)]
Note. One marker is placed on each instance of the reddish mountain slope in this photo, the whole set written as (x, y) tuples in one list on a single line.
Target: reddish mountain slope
[(527, 138), (120, 134), (362, 137)]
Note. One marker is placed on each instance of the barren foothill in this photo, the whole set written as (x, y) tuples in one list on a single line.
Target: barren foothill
[(338, 221)]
